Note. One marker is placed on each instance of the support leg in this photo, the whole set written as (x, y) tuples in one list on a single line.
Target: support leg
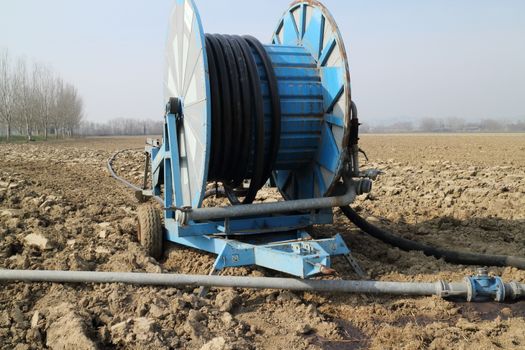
[(355, 265), (218, 265), (203, 291)]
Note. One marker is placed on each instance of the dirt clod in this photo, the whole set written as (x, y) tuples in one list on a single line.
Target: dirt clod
[(37, 240), (218, 343), (67, 329), (227, 300)]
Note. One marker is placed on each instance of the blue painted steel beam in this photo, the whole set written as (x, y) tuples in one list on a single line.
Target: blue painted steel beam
[(174, 160), (254, 225), (299, 257)]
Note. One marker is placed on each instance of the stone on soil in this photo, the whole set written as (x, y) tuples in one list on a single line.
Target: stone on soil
[(37, 240), (67, 330), (227, 300)]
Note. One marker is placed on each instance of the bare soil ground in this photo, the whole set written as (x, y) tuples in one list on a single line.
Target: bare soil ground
[(60, 209)]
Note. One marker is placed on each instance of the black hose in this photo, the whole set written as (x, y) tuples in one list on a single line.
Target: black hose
[(246, 109), (451, 256), (222, 128), (258, 111), (275, 139), (236, 105), (124, 181), (217, 142), (239, 148)]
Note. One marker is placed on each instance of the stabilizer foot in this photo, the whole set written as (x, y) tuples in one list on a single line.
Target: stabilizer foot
[(355, 265)]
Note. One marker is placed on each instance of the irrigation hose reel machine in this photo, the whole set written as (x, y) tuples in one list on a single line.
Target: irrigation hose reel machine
[(244, 114)]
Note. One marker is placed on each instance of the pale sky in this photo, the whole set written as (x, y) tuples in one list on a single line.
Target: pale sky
[(407, 58)]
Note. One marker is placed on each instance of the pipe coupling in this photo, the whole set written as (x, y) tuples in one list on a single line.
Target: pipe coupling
[(182, 217), (445, 289), (516, 290), (363, 186)]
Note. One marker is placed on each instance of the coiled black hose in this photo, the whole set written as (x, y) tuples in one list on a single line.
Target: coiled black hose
[(451, 256), (239, 150)]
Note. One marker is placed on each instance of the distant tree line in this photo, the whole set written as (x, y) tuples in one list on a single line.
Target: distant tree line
[(121, 127), (34, 100), (454, 124)]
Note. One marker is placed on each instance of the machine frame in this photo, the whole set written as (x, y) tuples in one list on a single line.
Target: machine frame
[(277, 241)]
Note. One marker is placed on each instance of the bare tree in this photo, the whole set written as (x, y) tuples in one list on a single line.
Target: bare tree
[(69, 109), (456, 124), (36, 101), (26, 98), (7, 93), (122, 126), (77, 112), (428, 124), (45, 86), (492, 125), (57, 110)]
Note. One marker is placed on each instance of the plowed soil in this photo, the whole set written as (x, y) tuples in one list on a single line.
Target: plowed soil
[(60, 209)]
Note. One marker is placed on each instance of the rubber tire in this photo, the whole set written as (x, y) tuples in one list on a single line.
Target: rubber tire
[(149, 230)]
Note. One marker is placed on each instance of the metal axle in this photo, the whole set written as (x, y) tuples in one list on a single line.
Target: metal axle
[(202, 214)]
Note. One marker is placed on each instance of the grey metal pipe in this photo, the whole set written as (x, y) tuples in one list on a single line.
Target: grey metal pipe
[(202, 214), (220, 281), (440, 288)]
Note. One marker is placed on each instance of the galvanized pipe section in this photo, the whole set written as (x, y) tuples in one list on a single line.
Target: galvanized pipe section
[(175, 280), (441, 289), (202, 214)]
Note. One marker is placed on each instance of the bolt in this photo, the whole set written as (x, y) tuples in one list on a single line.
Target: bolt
[(482, 271)]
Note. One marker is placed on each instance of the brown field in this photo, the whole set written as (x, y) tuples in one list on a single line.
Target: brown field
[(60, 209)]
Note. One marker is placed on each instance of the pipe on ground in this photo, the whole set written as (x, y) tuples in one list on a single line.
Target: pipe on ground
[(513, 290)]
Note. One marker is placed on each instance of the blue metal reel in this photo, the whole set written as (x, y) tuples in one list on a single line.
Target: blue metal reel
[(309, 60), (309, 25)]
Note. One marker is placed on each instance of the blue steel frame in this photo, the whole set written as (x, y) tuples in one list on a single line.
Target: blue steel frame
[(278, 241)]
